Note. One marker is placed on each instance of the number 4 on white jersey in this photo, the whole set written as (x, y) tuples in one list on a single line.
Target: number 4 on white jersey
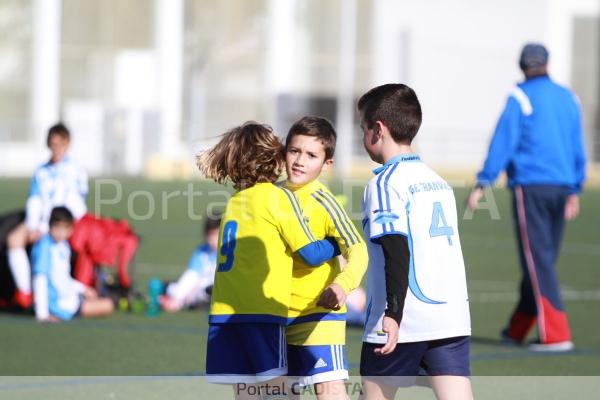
[(439, 226)]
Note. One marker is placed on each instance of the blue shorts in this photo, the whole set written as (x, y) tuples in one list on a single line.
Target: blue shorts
[(245, 352), (315, 364), (435, 357)]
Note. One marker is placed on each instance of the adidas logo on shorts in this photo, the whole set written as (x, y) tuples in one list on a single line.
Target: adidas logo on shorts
[(320, 363)]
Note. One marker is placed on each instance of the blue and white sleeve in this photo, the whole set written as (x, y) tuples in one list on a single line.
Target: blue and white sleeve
[(82, 183), (40, 296), (387, 209), (41, 260), (34, 206), (197, 261), (41, 257)]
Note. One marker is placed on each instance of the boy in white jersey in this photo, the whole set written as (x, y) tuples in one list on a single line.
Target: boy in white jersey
[(57, 295), (418, 311), (58, 182)]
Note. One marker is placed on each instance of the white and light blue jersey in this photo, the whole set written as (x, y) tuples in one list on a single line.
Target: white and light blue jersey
[(203, 261), (191, 287), (408, 198), (52, 270), (52, 185)]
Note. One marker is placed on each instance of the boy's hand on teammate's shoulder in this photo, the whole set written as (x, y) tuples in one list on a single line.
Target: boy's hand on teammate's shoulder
[(390, 327), (333, 297), (475, 195)]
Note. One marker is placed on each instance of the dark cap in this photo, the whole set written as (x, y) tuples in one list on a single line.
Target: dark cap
[(533, 55)]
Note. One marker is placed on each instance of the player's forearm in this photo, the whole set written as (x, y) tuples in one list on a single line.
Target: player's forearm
[(316, 253), (186, 285), (34, 209), (397, 263), (40, 296), (79, 287), (495, 163), (503, 143), (580, 162), (357, 260), (83, 184)]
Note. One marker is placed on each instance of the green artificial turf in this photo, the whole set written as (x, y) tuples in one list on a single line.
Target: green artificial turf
[(166, 217)]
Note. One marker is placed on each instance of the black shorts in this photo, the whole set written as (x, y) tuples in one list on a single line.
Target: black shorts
[(10, 221), (81, 300), (435, 357)]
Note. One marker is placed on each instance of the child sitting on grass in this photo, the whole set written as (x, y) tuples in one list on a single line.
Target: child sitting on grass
[(57, 295), (194, 286)]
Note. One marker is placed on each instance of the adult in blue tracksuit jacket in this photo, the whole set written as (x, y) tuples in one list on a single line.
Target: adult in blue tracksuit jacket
[(538, 142)]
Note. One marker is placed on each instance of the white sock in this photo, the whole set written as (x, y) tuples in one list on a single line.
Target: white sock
[(20, 268)]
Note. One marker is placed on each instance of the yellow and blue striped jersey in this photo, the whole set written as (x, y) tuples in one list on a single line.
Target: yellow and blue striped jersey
[(261, 228), (310, 324)]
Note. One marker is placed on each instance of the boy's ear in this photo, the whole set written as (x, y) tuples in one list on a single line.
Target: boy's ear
[(327, 164), (378, 128)]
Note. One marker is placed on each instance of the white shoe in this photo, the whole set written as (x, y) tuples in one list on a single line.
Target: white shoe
[(557, 347)]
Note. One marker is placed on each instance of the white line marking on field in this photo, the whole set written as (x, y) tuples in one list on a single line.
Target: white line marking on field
[(511, 297), (480, 291), (476, 285), (579, 248)]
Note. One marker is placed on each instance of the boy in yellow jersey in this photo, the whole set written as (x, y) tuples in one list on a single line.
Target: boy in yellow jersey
[(261, 229), (316, 330)]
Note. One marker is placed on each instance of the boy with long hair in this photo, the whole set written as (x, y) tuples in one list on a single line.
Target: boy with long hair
[(262, 227)]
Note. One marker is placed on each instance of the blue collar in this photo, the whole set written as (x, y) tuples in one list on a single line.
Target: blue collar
[(399, 158), (542, 76), (66, 158)]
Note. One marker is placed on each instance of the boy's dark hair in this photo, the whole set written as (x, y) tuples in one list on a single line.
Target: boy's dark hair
[(396, 106), (59, 129), (61, 214), (317, 127), (212, 222)]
